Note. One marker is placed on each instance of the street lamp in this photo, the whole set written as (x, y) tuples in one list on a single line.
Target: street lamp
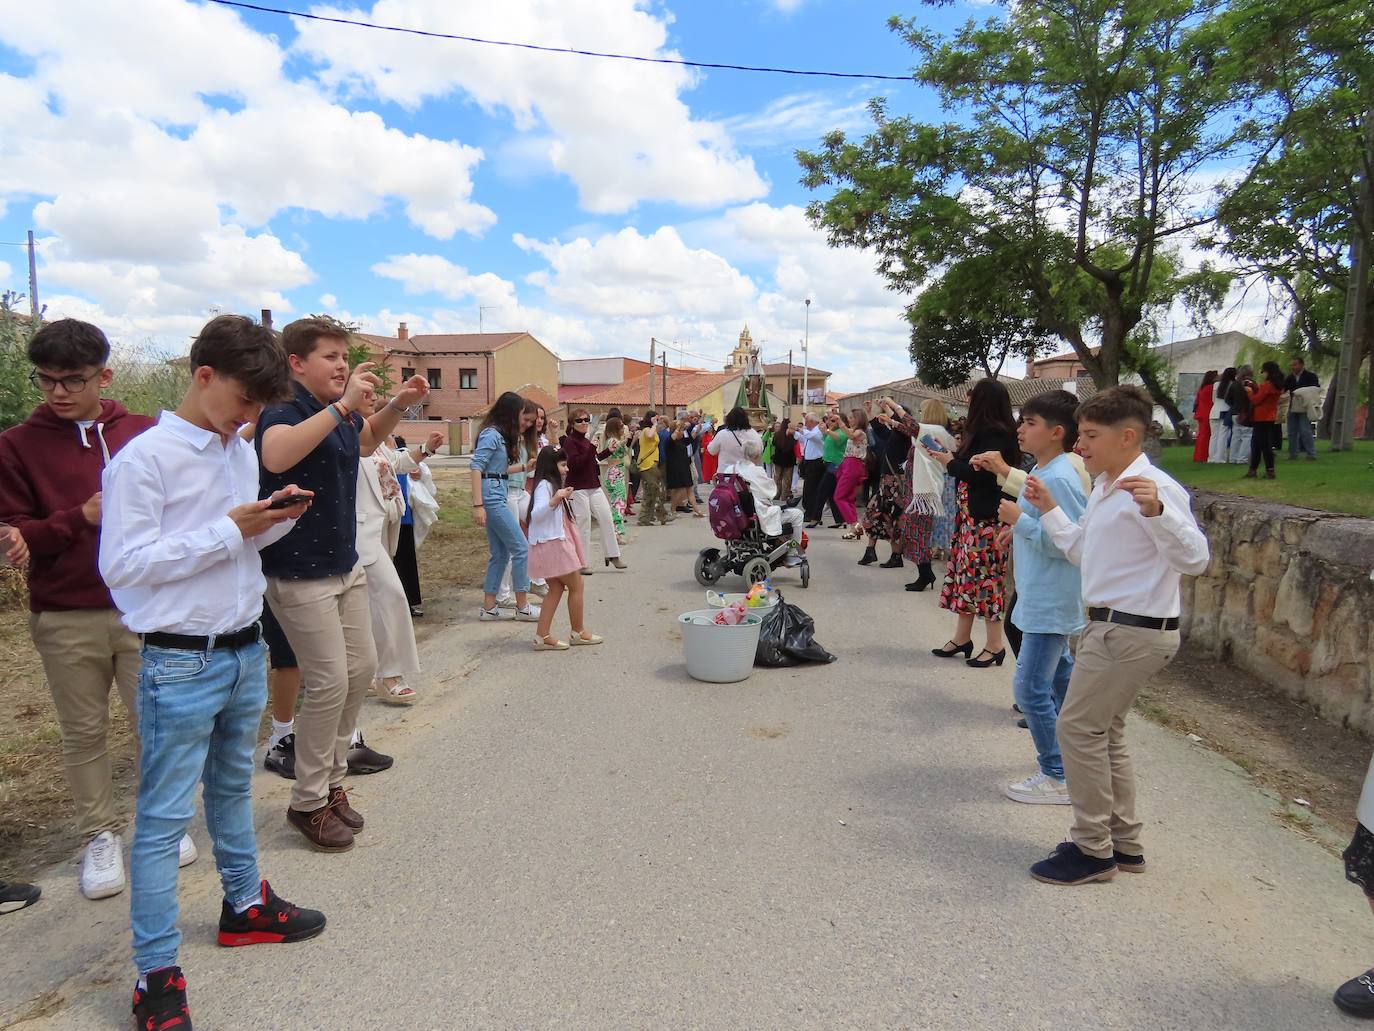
[(806, 363)]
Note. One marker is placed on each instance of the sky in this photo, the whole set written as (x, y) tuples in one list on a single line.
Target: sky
[(176, 159)]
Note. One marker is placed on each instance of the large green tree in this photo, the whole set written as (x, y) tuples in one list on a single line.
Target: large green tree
[(1081, 132), (1304, 72)]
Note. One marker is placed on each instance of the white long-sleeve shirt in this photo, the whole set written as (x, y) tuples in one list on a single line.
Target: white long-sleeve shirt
[(1132, 563), (812, 438), (173, 559)]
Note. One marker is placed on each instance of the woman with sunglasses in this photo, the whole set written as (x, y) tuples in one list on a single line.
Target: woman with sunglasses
[(588, 500)]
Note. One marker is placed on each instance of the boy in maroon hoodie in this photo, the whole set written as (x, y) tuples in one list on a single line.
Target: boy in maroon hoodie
[(50, 469)]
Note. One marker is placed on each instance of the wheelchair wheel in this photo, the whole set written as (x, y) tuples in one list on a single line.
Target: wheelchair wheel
[(805, 570), (707, 569), (756, 570)]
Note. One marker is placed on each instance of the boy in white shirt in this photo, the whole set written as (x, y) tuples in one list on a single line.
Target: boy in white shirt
[(1136, 538), (181, 528)]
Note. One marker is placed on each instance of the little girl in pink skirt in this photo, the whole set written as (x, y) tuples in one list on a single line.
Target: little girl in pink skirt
[(556, 551)]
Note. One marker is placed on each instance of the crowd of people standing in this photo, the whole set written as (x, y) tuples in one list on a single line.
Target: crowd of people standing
[(1241, 419)]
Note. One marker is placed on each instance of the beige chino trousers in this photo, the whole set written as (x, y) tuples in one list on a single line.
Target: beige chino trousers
[(328, 623), (84, 651), (1111, 664)]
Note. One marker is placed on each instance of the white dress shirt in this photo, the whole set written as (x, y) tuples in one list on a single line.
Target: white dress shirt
[(812, 442), (173, 559), (1129, 562)]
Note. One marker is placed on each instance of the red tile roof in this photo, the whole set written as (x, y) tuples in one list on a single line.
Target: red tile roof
[(444, 343), (780, 369)]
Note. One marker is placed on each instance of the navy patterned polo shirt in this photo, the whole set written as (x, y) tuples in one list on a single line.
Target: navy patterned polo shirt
[(323, 542)]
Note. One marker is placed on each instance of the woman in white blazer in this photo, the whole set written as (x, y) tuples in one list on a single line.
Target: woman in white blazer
[(380, 508)]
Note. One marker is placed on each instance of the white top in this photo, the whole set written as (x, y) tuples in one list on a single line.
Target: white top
[(1219, 403), (734, 447), (546, 522), (173, 559), (1131, 563), (811, 439)]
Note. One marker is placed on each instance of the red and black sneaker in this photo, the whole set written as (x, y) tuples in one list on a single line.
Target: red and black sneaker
[(162, 1005), (269, 921)]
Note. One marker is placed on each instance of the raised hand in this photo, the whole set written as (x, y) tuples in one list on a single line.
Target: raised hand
[(435, 441), (413, 391), (991, 461), (1038, 494), (1145, 492), (359, 383)]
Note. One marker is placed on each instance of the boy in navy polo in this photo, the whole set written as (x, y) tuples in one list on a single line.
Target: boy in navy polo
[(315, 584)]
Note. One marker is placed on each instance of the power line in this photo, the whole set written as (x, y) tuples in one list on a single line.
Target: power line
[(358, 23)]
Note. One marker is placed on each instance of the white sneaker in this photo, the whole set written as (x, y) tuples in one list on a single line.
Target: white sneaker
[(529, 614), (1039, 789), (506, 601), (187, 852), (541, 589), (102, 868), (496, 613)]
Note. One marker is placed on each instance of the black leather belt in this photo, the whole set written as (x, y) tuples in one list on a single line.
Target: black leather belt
[(495, 476), (191, 643), (1130, 619)]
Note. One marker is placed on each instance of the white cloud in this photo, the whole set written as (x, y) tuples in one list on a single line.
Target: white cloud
[(328, 302), (618, 129), (802, 117), (430, 273)]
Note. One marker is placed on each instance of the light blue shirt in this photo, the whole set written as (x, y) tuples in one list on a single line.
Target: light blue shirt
[(490, 456), (1049, 588), (812, 439)]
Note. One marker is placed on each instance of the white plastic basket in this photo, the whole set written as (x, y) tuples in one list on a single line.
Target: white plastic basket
[(719, 654)]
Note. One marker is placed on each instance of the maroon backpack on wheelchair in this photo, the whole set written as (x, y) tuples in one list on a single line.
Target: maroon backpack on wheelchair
[(729, 520)]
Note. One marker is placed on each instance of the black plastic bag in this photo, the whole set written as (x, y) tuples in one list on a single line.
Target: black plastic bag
[(787, 638)]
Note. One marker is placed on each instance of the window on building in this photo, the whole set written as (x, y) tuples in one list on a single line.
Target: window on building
[(436, 381), (436, 418), (406, 373), (467, 379)]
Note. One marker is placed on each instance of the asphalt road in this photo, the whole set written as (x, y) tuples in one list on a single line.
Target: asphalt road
[(592, 839)]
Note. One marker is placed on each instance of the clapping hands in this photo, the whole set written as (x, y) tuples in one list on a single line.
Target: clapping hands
[(1038, 495)]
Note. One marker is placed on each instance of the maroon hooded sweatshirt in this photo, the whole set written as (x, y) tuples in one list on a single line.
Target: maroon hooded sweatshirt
[(49, 467)]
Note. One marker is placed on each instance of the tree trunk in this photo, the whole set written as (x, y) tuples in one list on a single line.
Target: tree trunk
[(1182, 426)]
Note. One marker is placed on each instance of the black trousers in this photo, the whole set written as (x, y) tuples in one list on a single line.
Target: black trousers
[(1265, 439), (825, 495), (812, 471), (1012, 631), (406, 567)]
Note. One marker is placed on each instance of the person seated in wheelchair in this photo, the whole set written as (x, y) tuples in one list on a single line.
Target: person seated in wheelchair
[(738, 448)]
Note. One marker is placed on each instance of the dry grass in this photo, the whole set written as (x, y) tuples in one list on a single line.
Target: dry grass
[(36, 818)]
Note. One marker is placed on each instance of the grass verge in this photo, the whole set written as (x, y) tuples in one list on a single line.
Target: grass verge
[(1338, 481)]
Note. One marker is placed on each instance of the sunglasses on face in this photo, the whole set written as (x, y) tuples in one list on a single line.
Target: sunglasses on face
[(576, 421)]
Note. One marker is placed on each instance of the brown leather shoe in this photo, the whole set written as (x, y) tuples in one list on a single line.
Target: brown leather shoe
[(350, 817), (322, 828)]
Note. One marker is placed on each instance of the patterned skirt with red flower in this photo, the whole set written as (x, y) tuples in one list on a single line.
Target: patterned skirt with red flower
[(975, 579)]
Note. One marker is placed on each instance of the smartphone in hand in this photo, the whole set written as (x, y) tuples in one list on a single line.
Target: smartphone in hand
[(288, 500), (932, 443)]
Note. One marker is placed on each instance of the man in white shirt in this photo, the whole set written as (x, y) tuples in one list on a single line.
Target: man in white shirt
[(179, 542), (813, 464), (1136, 538)]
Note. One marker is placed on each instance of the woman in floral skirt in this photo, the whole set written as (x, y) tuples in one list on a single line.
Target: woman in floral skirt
[(893, 429), (615, 458), (975, 578)]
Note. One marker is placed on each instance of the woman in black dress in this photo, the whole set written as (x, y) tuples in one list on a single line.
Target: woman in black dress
[(976, 576), (677, 471)]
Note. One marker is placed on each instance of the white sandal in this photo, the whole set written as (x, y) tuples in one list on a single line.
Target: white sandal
[(398, 693), (550, 644), (586, 638)]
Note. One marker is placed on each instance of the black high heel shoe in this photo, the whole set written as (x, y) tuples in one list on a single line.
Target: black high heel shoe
[(894, 561), (965, 649), (926, 579), (993, 659)]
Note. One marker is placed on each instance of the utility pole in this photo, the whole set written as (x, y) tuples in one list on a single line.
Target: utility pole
[(652, 362), (33, 280), (1353, 342), (665, 379), (789, 382), (806, 359)]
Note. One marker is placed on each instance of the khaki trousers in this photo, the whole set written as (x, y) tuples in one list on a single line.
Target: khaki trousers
[(83, 652), (651, 501), (1110, 666), (329, 625)]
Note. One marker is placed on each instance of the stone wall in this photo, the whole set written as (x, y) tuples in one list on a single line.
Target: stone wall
[(1288, 597)]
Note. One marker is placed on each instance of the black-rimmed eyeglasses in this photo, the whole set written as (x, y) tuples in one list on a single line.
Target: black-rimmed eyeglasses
[(71, 384)]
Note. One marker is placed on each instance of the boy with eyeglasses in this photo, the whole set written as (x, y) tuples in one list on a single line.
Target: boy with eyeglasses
[(50, 469)]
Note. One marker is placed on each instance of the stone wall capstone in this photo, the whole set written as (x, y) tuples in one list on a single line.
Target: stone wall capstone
[(1288, 598)]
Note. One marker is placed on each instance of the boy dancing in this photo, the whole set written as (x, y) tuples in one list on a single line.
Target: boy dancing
[(1133, 542), (179, 550)]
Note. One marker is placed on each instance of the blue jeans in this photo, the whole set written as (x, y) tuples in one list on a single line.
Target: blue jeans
[(508, 545), (1040, 683), (198, 715), (1302, 437)]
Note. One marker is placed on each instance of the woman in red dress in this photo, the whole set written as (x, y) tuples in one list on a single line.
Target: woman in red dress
[(1202, 412)]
